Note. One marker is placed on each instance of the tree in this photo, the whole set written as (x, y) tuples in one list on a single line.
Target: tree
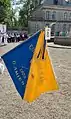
[(4, 8), (7, 15), (25, 12)]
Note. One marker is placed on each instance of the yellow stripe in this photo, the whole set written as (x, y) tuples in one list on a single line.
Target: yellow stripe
[(41, 77)]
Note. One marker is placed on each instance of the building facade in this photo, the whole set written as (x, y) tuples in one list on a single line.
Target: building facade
[(56, 12)]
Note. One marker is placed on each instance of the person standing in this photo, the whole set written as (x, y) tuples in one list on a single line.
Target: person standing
[(5, 38), (0, 38)]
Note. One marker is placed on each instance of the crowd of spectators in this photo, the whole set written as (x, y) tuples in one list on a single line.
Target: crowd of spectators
[(12, 37), (16, 37)]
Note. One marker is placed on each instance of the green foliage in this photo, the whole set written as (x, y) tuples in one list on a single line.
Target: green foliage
[(25, 12), (4, 8), (7, 14)]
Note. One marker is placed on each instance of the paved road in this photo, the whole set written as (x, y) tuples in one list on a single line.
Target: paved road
[(54, 105)]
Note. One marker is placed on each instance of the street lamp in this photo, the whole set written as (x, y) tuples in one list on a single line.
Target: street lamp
[(52, 24)]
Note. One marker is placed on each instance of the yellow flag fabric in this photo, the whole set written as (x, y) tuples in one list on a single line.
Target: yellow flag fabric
[(41, 76)]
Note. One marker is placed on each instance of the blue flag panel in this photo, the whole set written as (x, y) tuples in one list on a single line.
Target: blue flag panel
[(18, 60)]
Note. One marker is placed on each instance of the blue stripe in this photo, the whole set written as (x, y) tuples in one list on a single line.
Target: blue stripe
[(18, 62)]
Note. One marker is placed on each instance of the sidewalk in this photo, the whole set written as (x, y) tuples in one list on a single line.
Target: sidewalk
[(58, 46)]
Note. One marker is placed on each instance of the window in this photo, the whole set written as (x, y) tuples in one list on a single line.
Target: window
[(48, 15), (64, 27), (54, 15), (60, 2), (70, 16), (53, 29), (65, 16), (55, 2), (69, 28)]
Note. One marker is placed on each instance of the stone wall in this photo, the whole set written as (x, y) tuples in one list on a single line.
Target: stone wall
[(62, 40)]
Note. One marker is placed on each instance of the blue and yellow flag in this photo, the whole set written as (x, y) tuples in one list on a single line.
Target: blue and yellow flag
[(18, 60), (30, 68)]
